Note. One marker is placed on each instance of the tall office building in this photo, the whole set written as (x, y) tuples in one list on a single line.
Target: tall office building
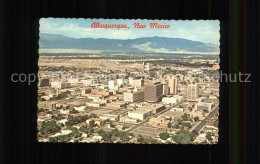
[(153, 92), (111, 84), (165, 88), (193, 91), (173, 85)]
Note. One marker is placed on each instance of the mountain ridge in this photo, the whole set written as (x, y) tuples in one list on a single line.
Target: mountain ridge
[(139, 45)]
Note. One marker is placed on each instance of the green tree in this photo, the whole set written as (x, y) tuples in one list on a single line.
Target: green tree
[(196, 119), (195, 132), (124, 136), (187, 124), (176, 126), (184, 117), (75, 133), (92, 123), (164, 135), (208, 136), (84, 130), (75, 120), (140, 138), (216, 123), (114, 132), (183, 137), (49, 127), (92, 115), (169, 125), (106, 136), (90, 130)]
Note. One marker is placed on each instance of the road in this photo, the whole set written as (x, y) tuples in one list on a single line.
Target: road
[(156, 115), (206, 119)]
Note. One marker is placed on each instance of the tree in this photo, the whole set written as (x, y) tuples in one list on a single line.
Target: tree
[(208, 136), (185, 117), (90, 130), (196, 119), (216, 123), (75, 133), (179, 121), (75, 120), (49, 127), (114, 132), (101, 131), (176, 126), (206, 110), (92, 123), (164, 135), (187, 124), (124, 136), (195, 132), (105, 135), (183, 137), (84, 130), (92, 115), (169, 125), (204, 142), (140, 138)]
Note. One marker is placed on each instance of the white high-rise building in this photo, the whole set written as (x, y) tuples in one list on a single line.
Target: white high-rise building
[(111, 84), (120, 82), (165, 87), (148, 67), (193, 91), (130, 80), (173, 85)]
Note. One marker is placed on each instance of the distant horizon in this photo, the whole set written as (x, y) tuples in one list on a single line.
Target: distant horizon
[(128, 39), (206, 31)]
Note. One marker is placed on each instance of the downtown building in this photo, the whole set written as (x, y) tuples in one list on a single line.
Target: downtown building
[(153, 92), (193, 91), (173, 85), (134, 96)]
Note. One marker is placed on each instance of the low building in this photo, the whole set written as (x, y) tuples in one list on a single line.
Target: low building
[(115, 105), (105, 93), (128, 120), (134, 96), (85, 92), (81, 108), (156, 108), (171, 100), (49, 105), (140, 114), (137, 83), (44, 82), (60, 85), (204, 106), (95, 104), (158, 122), (112, 117)]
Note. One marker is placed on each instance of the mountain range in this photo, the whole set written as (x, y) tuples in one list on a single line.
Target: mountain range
[(56, 43)]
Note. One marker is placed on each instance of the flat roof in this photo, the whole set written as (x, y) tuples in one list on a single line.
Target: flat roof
[(141, 111)]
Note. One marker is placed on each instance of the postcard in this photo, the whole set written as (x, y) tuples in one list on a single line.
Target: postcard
[(128, 81)]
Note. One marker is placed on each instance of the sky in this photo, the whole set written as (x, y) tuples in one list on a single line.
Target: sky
[(206, 31)]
